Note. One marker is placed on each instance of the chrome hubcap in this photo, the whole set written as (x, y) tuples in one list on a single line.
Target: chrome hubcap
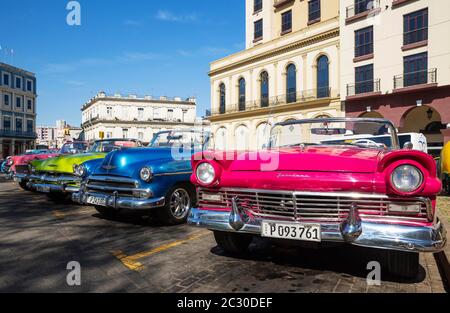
[(180, 203)]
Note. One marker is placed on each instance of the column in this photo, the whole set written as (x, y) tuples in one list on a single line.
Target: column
[(1, 149), (13, 147)]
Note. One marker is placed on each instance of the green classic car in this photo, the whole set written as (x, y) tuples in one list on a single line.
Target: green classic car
[(60, 176)]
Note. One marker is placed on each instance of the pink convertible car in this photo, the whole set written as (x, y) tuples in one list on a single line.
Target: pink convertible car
[(336, 180), (19, 164)]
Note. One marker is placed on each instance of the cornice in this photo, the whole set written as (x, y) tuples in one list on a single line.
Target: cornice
[(287, 48)]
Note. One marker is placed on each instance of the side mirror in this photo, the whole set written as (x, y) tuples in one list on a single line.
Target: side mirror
[(408, 145)]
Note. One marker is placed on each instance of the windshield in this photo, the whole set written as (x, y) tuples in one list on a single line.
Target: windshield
[(73, 148), (107, 146), (196, 140), (365, 133)]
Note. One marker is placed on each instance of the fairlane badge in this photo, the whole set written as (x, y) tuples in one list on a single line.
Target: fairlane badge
[(291, 176)]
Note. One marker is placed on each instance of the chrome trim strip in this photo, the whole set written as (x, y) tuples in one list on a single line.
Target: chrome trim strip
[(109, 188), (113, 179), (173, 174)]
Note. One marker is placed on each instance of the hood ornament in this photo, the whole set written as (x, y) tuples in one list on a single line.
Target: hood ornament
[(109, 167)]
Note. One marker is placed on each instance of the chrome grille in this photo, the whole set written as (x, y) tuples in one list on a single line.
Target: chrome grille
[(110, 185), (22, 169), (314, 207)]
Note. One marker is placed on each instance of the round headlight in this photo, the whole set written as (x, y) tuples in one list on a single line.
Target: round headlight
[(79, 170), (146, 174), (31, 168), (205, 173), (406, 178)]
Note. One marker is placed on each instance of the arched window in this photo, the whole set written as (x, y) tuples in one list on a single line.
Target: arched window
[(264, 89), (222, 98), (291, 84), (323, 77), (242, 94)]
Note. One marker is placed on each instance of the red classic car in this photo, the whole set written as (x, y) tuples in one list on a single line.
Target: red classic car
[(19, 164), (336, 180)]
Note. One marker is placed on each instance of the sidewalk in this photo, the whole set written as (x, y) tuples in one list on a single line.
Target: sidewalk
[(443, 258)]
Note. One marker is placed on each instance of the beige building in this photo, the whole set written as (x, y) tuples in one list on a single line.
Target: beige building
[(395, 63), (17, 110), (134, 117), (289, 70)]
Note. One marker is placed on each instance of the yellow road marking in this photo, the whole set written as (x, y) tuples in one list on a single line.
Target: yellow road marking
[(58, 214), (61, 214), (130, 261)]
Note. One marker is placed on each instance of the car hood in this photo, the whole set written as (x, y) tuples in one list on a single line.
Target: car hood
[(65, 163), (24, 159), (311, 159), (128, 162)]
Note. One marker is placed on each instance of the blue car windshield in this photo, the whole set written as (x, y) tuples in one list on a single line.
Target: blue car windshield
[(73, 148), (196, 140)]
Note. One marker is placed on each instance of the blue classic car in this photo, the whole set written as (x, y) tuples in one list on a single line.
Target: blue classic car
[(154, 180)]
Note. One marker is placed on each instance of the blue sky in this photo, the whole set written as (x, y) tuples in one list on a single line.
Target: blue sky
[(134, 46)]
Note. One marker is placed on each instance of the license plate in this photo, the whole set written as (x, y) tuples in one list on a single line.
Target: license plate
[(293, 231), (44, 189), (96, 201), (17, 179)]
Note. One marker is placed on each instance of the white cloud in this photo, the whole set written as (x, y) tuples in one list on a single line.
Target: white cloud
[(132, 23), (168, 16)]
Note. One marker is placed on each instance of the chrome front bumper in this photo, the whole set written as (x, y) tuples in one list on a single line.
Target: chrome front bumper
[(352, 231), (63, 183), (18, 177), (116, 202)]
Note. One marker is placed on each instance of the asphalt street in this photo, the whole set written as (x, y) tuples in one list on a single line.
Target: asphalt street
[(39, 237)]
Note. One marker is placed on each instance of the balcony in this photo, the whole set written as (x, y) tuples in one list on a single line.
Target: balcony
[(17, 134), (415, 39), (279, 3), (415, 80), (276, 101), (363, 89), (361, 9)]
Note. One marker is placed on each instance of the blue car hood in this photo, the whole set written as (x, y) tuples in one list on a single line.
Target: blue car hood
[(128, 162)]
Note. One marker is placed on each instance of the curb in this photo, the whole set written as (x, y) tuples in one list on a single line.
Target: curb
[(442, 258)]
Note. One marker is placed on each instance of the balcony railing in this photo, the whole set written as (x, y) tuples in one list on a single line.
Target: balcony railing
[(415, 78), (415, 36), (279, 3), (363, 87), (270, 102), (17, 134), (362, 6)]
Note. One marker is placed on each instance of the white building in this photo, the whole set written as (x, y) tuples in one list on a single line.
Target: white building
[(289, 70), (17, 110), (47, 136), (56, 136), (117, 116)]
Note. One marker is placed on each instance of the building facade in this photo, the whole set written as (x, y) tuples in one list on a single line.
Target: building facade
[(46, 136), (395, 63), (56, 136), (117, 116), (289, 70), (17, 110)]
